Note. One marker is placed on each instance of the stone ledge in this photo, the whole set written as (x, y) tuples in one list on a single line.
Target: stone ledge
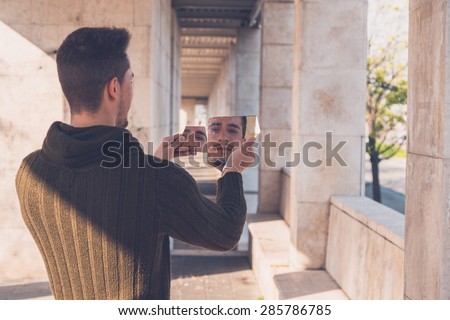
[(385, 221), (269, 252), (364, 251)]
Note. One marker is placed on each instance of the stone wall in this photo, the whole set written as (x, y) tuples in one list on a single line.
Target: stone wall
[(175, 73), (222, 99), (329, 89), (248, 64), (286, 195), (365, 253), (277, 40), (164, 79), (188, 106), (427, 209), (31, 100)]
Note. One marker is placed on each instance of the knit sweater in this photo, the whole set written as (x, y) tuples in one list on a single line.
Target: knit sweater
[(104, 233)]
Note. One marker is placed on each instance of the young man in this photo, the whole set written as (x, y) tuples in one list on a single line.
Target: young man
[(103, 232), (225, 134)]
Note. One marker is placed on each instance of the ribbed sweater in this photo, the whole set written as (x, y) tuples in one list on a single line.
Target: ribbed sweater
[(104, 233)]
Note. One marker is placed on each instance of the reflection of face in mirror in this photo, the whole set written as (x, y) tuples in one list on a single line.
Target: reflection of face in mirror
[(195, 138), (224, 135)]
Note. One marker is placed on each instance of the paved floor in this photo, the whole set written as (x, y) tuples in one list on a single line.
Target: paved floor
[(213, 278), (193, 278), (25, 291)]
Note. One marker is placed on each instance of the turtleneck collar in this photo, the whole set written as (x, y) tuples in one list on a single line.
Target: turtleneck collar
[(74, 147)]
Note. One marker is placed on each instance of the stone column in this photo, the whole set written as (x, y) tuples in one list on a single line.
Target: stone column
[(31, 100), (276, 96), (248, 57), (221, 100), (163, 65), (427, 236), (139, 51), (248, 78), (328, 96), (175, 75)]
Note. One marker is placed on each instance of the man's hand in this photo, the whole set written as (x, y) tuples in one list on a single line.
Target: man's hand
[(170, 148), (241, 158)]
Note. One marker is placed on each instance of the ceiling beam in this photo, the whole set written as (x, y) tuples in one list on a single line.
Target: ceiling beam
[(215, 3), (211, 66), (209, 32), (204, 73), (205, 46), (213, 14), (217, 60), (211, 52), (205, 56), (210, 23), (196, 98), (207, 39)]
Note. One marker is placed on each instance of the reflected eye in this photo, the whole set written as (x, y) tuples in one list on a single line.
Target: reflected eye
[(199, 137)]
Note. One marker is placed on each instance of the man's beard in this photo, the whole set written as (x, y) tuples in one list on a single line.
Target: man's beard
[(219, 154)]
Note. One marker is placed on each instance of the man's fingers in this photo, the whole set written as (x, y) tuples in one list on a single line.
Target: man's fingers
[(247, 153), (177, 141), (249, 143)]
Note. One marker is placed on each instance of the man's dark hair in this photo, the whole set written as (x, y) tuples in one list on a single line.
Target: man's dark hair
[(244, 125), (87, 60)]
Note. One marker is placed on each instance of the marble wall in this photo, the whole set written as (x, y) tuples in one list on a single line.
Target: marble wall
[(330, 56), (427, 243)]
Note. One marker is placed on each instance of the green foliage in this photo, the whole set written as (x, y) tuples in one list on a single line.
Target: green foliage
[(401, 153), (386, 100)]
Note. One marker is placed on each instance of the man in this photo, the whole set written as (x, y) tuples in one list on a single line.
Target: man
[(225, 134), (103, 232)]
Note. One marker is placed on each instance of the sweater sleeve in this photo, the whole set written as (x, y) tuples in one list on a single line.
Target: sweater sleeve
[(185, 214)]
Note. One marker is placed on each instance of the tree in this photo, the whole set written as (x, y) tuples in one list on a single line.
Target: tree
[(386, 106)]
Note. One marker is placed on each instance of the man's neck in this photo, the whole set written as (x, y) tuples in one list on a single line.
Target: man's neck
[(85, 119)]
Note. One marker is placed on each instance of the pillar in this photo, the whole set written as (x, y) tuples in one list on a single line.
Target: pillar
[(222, 99), (248, 57), (427, 235), (276, 97), (31, 100), (164, 48), (329, 86)]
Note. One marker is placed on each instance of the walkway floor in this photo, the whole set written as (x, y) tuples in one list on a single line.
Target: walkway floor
[(213, 278), (193, 278)]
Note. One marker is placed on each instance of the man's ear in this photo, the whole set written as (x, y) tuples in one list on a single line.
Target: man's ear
[(113, 88)]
